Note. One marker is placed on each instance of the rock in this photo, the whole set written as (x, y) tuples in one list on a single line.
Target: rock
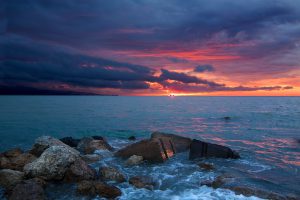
[(218, 182), (132, 138), (111, 174), (18, 163), (89, 145), (9, 178), (107, 191), (205, 149), (93, 188), (91, 158), (79, 171), (28, 190), (227, 118), (206, 166), (153, 150), (52, 164), (70, 141), (96, 137), (44, 142), (86, 188), (4, 162), (181, 144), (142, 182), (134, 160), (13, 153)]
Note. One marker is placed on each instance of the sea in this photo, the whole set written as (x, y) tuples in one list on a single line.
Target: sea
[(264, 130)]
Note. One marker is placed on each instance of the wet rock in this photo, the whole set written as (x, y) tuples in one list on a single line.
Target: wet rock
[(52, 164), (153, 150), (12, 153), (4, 162), (9, 178), (70, 141), (27, 190), (44, 142), (91, 158), (142, 182), (97, 137), (247, 191), (111, 174), (134, 160), (218, 182), (79, 171), (131, 138), (18, 163), (93, 188), (107, 191), (227, 118), (180, 143), (89, 145), (204, 149), (206, 166)]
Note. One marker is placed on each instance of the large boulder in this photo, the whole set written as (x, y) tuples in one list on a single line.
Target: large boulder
[(180, 143), (204, 149), (28, 190), (53, 163), (44, 142), (93, 188), (88, 145), (79, 171), (70, 141), (142, 182), (9, 178), (153, 150), (111, 174), (134, 160)]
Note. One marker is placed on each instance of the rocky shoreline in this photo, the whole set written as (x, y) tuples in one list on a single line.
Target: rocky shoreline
[(25, 175)]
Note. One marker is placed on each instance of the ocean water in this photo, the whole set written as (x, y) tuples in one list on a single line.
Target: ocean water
[(264, 130)]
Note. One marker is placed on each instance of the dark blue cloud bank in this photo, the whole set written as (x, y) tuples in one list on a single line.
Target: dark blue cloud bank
[(46, 45)]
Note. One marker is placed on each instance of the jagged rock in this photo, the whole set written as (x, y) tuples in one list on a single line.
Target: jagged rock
[(205, 149), (153, 150), (70, 141), (9, 178), (111, 174), (91, 158), (89, 145), (132, 138), (13, 153), (134, 160), (206, 166), (79, 171), (142, 182), (93, 188), (52, 164), (180, 143), (28, 190), (44, 142)]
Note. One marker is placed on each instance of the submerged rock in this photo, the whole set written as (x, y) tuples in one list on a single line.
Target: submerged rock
[(89, 145), (205, 149), (132, 138), (79, 171), (93, 188), (28, 190), (134, 160), (206, 166), (44, 142), (52, 164), (70, 141), (91, 158), (180, 143), (9, 178), (153, 150), (142, 182), (111, 174)]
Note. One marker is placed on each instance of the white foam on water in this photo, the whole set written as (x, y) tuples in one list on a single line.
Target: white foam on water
[(258, 167)]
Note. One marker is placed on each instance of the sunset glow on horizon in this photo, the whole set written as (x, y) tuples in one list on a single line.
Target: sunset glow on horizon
[(151, 48)]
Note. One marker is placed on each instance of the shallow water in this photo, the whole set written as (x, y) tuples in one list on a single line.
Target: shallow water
[(263, 129)]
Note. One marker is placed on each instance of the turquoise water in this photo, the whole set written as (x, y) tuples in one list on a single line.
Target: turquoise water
[(265, 130)]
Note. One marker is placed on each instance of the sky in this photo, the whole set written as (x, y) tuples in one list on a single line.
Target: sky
[(150, 47)]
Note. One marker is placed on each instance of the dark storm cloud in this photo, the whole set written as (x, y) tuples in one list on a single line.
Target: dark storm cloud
[(204, 68)]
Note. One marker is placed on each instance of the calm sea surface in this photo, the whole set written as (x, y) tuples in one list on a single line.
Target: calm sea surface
[(265, 130)]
